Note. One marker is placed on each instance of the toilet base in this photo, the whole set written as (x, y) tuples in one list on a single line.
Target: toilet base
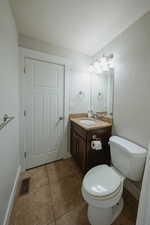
[(117, 209), (104, 216)]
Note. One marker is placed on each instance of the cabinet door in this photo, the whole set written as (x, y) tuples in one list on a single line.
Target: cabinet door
[(81, 153), (98, 157), (74, 145), (78, 149)]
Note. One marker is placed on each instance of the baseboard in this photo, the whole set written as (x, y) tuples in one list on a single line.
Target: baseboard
[(67, 155), (12, 197)]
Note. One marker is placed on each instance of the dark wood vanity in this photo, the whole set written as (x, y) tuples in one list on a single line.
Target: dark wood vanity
[(81, 151)]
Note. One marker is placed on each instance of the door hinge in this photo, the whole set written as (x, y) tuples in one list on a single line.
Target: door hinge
[(25, 155), (25, 113)]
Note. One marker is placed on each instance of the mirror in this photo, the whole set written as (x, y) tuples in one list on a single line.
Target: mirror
[(102, 93)]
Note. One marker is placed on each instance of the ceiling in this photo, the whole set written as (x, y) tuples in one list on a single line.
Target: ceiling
[(81, 25)]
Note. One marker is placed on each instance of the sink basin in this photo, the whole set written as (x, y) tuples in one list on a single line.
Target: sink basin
[(88, 122)]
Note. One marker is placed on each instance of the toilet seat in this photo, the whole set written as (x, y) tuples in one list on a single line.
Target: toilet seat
[(102, 186), (101, 181), (110, 196)]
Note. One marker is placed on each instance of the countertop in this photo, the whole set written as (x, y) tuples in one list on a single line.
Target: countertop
[(99, 123)]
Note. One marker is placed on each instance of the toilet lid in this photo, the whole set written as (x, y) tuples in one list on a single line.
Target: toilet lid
[(101, 180)]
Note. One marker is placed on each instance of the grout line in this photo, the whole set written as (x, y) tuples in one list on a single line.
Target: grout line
[(50, 197)]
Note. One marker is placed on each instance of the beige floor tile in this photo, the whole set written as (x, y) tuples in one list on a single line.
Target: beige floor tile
[(55, 198), (34, 208), (127, 217), (39, 177), (66, 195), (61, 169), (77, 216)]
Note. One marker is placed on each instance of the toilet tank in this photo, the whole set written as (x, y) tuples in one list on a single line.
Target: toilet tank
[(127, 157)]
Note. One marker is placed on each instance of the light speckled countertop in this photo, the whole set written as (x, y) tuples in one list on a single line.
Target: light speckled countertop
[(99, 123)]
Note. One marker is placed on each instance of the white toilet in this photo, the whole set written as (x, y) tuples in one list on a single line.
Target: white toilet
[(102, 186)]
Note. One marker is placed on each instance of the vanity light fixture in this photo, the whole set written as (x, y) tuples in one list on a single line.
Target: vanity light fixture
[(97, 66), (104, 64)]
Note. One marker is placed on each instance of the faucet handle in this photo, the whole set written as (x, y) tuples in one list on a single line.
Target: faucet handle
[(5, 117)]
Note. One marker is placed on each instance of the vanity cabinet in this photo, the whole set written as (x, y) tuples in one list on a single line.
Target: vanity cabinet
[(81, 150)]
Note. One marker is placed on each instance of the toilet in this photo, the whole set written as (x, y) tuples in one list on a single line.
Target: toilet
[(102, 186)]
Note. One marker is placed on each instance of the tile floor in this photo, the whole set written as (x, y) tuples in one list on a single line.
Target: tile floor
[(55, 198)]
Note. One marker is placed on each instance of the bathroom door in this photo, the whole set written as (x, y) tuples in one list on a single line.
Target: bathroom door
[(43, 112)]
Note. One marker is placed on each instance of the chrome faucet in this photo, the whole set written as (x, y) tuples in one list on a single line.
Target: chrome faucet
[(95, 116)]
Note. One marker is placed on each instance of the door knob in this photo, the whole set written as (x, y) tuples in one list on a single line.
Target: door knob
[(61, 118)]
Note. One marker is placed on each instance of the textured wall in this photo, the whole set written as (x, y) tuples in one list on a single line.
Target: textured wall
[(131, 51), (9, 150)]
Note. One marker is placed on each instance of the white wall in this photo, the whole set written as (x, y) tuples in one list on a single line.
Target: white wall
[(99, 86), (131, 51), (79, 60), (80, 102), (9, 152)]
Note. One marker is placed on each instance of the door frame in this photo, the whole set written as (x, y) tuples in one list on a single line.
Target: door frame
[(33, 54)]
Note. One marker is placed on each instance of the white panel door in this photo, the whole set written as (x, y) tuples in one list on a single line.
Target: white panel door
[(44, 112)]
